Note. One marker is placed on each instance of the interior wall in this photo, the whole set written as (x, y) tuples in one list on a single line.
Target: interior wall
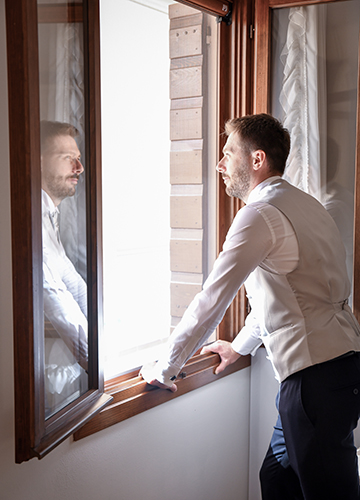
[(263, 414), (193, 448)]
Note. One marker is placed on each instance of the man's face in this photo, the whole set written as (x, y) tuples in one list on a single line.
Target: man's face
[(60, 167), (235, 168)]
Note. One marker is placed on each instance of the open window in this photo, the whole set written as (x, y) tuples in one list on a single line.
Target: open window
[(159, 194), (42, 36), (196, 49), (43, 419)]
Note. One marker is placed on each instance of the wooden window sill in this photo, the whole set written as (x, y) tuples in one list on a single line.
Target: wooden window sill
[(132, 395)]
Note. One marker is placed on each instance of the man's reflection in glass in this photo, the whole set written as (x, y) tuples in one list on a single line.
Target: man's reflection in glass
[(65, 291)]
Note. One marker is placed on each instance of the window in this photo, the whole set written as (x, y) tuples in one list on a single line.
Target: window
[(38, 432), (39, 427), (192, 125)]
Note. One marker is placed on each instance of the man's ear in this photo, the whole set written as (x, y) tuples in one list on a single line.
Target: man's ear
[(258, 158)]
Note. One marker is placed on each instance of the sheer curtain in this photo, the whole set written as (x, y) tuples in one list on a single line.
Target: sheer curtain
[(301, 100), (314, 93)]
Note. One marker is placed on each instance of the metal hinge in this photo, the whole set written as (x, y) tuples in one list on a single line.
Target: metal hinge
[(251, 31), (227, 18)]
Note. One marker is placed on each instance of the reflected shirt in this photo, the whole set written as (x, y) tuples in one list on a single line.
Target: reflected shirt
[(65, 291), (259, 234)]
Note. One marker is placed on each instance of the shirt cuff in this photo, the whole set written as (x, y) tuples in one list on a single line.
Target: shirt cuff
[(246, 344), (155, 371)]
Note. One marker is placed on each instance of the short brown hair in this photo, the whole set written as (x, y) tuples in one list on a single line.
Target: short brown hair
[(263, 132), (51, 129)]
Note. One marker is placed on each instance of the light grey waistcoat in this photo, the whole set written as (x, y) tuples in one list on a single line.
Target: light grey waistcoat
[(305, 316)]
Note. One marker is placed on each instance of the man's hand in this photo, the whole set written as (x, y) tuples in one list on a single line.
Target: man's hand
[(156, 383), (225, 351), (147, 374)]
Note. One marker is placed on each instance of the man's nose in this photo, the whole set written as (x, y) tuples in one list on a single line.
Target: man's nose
[(220, 167), (78, 167)]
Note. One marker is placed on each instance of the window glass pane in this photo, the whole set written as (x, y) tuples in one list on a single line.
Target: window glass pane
[(158, 78), (314, 91), (63, 201)]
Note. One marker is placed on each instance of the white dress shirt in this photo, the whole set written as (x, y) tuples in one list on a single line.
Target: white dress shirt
[(65, 292), (259, 234)]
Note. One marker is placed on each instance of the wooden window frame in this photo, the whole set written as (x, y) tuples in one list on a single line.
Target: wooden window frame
[(35, 436)]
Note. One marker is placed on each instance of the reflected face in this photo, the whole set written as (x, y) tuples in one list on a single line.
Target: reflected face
[(60, 168), (235, 168)]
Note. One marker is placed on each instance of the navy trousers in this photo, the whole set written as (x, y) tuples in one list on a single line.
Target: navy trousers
[(312, 454)]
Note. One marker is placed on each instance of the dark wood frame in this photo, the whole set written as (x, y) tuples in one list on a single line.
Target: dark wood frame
[(235, 99), (34, 435), (217, 7)]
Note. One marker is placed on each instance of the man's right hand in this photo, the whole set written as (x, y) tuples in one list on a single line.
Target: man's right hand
[(156, 383), (147, 374)]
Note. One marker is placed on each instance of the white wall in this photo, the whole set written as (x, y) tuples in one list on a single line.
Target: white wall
[(193, 448), (264, 388)]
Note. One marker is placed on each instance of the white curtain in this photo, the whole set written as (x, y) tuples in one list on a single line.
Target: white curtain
[(313, 89), (303, 96)]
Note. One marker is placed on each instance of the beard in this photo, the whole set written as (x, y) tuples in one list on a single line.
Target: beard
[(239, 185), (59, 188)]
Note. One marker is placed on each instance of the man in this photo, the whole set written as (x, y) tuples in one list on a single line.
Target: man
[(65, 292), (287, 250)]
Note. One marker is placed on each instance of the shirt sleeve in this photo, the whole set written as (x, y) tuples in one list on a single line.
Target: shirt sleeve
[(65, 314), (248, 242), (248, 340), (75, 284)]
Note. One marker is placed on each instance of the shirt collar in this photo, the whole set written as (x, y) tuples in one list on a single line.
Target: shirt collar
[(47, 203), (257, 192)]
